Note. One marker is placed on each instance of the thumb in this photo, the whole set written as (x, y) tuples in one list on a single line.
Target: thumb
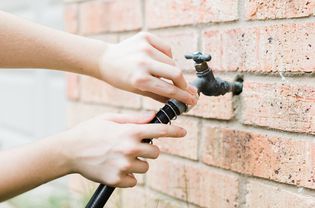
[(135, 118)]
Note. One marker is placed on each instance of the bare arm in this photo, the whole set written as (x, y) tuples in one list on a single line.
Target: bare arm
[(29, 166), (135, 65), (28, 45), (84, 149)]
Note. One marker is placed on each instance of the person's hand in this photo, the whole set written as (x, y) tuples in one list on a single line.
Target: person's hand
[(138, 64), (107, 148)]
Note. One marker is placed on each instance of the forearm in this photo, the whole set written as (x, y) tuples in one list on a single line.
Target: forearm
[(28, 45), (29, 166)]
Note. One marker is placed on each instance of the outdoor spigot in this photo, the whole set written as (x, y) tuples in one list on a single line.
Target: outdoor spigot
[(206, 83)]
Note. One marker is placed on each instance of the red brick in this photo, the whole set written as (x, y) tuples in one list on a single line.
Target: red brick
[(287, 48), (275, 9), (73, 86), (134, 197), (96, 91), (185, 147), (168, 13), (312, 155), (72, 1), (277, 48), (140, 197), (182, 43), (211, 44), (71, 18), (220, 107), (103, 16), (279, 159), (233, 49), (109, 38), (239, 50), (194, 183), (265, 195), (80, 187), (285, 106)]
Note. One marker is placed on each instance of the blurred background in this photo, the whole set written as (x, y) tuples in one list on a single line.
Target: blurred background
[(33, 102)]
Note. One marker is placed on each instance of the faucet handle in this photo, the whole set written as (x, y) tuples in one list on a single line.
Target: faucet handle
[(198, 57)]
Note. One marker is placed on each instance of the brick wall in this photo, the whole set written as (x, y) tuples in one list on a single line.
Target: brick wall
[(254, 150)]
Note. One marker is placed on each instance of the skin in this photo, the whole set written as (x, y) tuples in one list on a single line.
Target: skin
[(105, 149)]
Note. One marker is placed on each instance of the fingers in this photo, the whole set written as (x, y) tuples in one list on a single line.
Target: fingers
[(158, 43), (138, 166), (129, 180), (192, 90), (153, 96), (169, 72), (139, 118), (159, 56), (162, 88), (148, 151), (160, 65), (158, 130)]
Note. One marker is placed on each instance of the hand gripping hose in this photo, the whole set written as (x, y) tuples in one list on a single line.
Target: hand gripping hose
[(169, 112)]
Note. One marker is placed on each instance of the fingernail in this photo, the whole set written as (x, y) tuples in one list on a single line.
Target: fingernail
[(184, 132), (192, 89), (194, 100)]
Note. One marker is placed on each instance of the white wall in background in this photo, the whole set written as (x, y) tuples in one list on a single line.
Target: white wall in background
[(32, 102)]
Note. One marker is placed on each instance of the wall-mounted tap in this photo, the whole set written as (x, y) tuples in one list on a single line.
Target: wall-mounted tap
[(206, 84)]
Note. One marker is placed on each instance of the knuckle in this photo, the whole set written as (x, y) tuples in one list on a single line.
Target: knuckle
[(147, 49), (130, 130), (114, 181), (144, 35), (169, 51), (132, 151), (141, 80), (164, 131), (133, 131), (125, 167), (142, 60), (171, 91), (136, 134), (156, 152), (178, 74)]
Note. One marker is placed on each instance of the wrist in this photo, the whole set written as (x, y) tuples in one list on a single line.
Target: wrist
[(97, 50), (104, 64), (57, 150), (82, 55)]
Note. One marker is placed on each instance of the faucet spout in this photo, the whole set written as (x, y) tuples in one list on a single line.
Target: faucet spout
[(209, 85)]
